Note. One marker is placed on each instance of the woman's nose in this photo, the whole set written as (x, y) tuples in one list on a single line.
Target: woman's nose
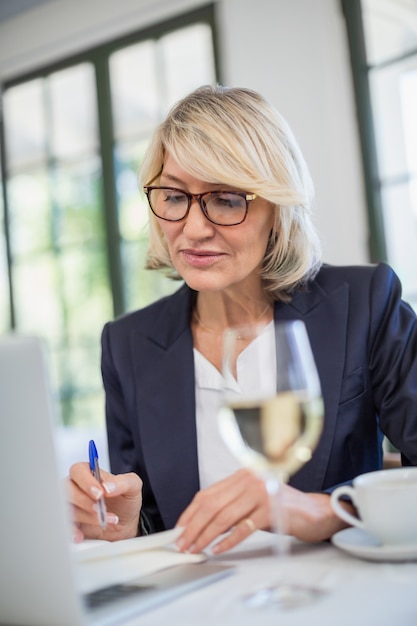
[(196, 225)]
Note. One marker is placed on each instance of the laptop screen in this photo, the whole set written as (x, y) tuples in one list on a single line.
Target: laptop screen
[(39, 585)]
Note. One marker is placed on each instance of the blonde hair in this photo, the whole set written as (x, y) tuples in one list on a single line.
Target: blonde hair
[(235, 137)]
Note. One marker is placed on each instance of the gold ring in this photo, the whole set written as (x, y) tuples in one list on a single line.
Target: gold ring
[(250, 523)]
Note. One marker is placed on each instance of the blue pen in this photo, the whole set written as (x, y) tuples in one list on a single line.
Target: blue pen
[(95, 470)]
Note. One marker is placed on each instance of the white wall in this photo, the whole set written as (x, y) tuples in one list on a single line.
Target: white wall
[(293, 51)]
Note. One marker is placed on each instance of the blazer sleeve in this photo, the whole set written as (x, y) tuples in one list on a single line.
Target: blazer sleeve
[(393, 362), (124, 448)]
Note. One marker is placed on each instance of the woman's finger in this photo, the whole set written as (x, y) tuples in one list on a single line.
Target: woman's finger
[(123, 499), (220, 508), (241, 531)]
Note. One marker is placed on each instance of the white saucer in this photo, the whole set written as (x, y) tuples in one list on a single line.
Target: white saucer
[(359, 543)]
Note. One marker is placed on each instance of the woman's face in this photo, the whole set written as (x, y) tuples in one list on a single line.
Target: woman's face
[(211, 257)]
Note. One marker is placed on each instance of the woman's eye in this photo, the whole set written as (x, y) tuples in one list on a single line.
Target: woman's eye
[(173, 198), (228, 201)]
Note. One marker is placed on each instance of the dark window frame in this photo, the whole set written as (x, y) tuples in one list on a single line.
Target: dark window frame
[(352, 10)]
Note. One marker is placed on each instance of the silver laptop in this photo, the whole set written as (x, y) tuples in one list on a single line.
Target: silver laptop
[(37, 573)]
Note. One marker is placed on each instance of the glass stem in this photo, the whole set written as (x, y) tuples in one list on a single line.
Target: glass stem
[(274, 486)]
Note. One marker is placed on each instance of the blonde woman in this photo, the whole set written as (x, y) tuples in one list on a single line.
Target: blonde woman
[(230, 215)]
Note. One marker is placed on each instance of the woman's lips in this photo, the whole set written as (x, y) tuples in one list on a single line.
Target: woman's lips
[(201, 258)]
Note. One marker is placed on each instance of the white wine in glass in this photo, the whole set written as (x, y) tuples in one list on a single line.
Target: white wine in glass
[(271, 417)]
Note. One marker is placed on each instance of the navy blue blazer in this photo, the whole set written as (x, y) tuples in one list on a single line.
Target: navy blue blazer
[(364, 339)]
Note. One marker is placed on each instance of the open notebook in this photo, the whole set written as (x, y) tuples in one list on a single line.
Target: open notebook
[(44, 579)]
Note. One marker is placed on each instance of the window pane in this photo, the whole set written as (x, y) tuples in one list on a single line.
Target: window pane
[(73, 111), (86, 306), (133, 207), (37, 296), (408, 90), (176, 50), (84, 290), (30, 212), (78, 215), (394, 101), (135, 97), (86, 407), (25, 131), (390, 28), (400, 220), (76, 363)]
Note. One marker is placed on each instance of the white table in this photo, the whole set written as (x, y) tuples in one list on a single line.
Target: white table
[(356, 591)]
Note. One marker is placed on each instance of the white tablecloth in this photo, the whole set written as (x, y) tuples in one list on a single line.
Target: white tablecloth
[(355, 591)]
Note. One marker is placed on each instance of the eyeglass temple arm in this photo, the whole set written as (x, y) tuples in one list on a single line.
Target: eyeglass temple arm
[(154, 178)]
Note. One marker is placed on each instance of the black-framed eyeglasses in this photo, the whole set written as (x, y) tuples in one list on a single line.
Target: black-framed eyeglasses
[(223, 208)]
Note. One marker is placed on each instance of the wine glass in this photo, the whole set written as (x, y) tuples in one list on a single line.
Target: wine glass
[(271, 420)]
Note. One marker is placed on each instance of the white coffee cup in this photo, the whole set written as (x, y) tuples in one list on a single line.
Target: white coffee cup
[(386, 501)]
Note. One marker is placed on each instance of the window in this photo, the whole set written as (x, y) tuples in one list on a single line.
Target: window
[(56, 225), (383, 36), (74, 136), (383, 46)]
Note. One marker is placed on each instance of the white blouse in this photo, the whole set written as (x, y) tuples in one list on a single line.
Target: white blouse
[(215, 461)]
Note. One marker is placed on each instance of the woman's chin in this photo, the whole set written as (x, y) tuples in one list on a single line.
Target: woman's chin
[(205, 282)]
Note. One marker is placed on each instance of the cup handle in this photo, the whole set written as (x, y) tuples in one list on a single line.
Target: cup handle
[(345, 490)]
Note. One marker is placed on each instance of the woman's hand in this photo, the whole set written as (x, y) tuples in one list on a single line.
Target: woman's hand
[(310, 516), (240, 503), (123, 498)]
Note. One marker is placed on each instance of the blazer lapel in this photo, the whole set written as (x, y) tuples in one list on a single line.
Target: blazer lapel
[(168, 435)]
